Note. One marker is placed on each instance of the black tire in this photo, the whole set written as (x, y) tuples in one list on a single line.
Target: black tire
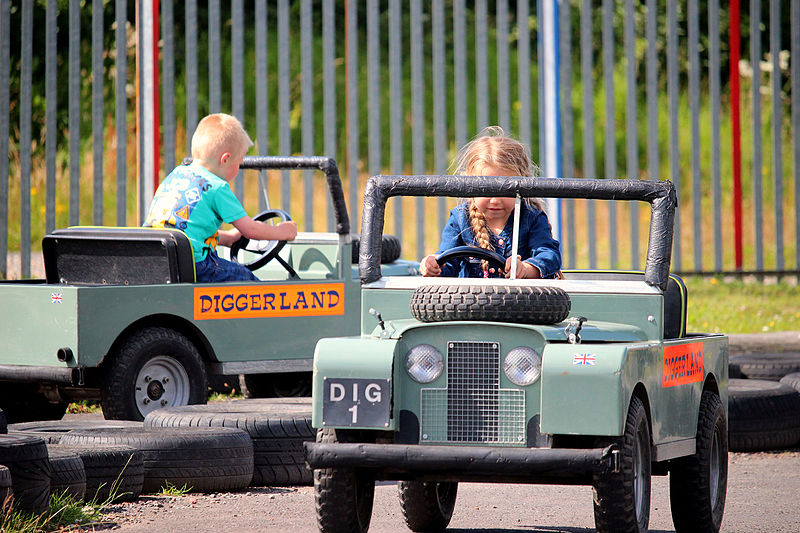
[(67, 475), (22, 402), (769, 366), (763, 415), (390, 248), (698, 483), (622, 499), (793, 380), (6, 490), (279, 385), (113, 472), (343, 496), (496, 303), (427, 505), (278, 428), (26, 458), (129, 391), (51, 431), (205, 459)]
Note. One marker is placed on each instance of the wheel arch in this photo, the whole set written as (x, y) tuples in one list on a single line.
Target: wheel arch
[(162, 320), (640, 391), (711, 384)]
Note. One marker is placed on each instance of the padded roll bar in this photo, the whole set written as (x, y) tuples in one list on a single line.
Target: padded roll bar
[(660, 195)]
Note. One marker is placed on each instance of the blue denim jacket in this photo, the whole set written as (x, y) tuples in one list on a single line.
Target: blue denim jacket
[(536, 243)]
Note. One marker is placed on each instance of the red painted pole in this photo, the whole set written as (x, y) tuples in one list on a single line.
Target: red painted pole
[(156, 111), (736, 131)]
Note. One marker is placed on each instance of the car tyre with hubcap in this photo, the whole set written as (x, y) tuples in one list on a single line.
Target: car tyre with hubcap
[(698, 483), (622, 499), (152, 368), (343, 496), (427, 506)]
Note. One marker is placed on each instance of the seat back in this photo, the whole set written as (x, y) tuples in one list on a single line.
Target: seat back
[(675, 297), (91, 255)]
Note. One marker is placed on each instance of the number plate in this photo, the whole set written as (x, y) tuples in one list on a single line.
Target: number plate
[(356, 402)]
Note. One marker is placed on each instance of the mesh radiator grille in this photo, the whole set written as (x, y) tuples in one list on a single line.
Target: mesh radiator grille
[(473, 407)]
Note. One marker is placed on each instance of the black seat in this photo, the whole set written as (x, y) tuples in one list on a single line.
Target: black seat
[(675, 297), (94, 255)]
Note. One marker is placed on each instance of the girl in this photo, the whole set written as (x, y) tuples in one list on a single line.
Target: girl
[(487, 222)]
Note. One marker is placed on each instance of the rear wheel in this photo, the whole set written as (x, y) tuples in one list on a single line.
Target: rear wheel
[(152, 368), (427, 506), (622, 499), (698, 483), (343, 496)]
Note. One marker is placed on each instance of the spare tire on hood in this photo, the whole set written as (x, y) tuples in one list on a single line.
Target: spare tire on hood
[(521, 304)]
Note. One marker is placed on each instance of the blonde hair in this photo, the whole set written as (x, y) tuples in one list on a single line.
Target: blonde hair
[(217, 134), (492, 147)]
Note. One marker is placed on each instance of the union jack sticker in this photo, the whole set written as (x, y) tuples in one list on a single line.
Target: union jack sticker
[(584, 359), (56, 298)]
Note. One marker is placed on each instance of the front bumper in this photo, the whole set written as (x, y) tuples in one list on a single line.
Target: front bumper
[(451, 463)]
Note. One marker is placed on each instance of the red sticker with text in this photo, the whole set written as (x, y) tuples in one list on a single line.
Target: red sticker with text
[(683, 363)]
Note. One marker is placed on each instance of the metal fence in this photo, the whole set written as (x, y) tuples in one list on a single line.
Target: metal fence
[(397, 86)]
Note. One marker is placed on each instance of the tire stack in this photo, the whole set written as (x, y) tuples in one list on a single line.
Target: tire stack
[(278, 428), (763, 398)]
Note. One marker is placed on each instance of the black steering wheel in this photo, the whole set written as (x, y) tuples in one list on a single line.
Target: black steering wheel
[(471, 251), (267, 253)]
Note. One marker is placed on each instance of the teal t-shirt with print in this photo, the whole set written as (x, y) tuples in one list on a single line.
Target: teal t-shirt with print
[(195, 201)]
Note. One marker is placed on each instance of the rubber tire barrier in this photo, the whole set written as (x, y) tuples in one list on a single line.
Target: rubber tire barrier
[(26, 458), (112, 471), (793, 380), (693, 505), (763, 415), (390, 248), (67, 474), (769, 366), (427, 505), (495, 303), (277, 426), (205, 459), (51, 431), (6, 490), (343, 497)]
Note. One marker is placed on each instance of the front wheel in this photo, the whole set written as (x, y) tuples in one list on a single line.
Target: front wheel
[(698, 483), (622, 499), (152, 368), (343, 496), (427, 506)]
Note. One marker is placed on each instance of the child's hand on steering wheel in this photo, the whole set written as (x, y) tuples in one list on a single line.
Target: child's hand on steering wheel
[(429, 267)]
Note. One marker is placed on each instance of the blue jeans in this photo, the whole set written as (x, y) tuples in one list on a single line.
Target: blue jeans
[(214, 269)]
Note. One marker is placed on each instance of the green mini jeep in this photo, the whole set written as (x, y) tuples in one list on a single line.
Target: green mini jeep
[(120, 318), (591, 379)]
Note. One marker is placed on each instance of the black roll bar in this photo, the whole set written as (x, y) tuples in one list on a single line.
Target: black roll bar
[(660, 195), (326, 164)]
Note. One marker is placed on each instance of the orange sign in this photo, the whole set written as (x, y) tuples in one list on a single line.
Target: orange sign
[(267, 301), (683, 364)]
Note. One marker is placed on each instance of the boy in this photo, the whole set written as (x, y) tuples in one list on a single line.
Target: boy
[(197, 198)]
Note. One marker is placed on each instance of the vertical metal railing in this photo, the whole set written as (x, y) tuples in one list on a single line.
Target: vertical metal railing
[(394, 86)]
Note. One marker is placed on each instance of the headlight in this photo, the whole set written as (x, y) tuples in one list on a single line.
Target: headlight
[(424, 363), (523, 365)]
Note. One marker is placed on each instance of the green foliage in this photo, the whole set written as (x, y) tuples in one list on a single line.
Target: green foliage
[(171, 490), (724, 306), (83, 406), (64, 513)]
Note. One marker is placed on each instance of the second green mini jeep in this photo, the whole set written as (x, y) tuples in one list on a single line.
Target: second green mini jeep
[(591, 379)]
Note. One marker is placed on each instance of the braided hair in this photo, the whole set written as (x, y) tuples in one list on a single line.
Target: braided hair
[(492, 147)]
